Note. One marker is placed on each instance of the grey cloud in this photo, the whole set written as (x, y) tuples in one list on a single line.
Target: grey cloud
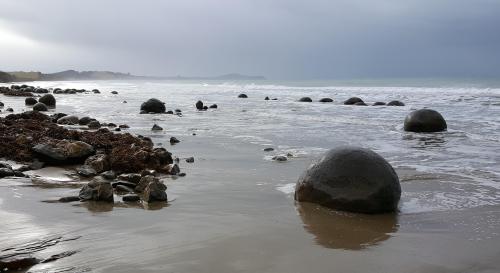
[(279, 39)]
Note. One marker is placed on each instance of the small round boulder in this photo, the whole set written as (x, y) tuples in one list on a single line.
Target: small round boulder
[(242, 96), (351, 179), (325, 100), (425, 121), (41, 107), (48, 99), (352, 101), (30, 101), (395, 103), (305, 99), (153, 106)]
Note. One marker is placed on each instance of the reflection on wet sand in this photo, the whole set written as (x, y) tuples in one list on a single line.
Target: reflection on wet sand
[(341, 230), (97, 206)]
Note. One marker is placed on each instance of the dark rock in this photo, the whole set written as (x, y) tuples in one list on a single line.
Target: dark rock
[(5, 165), (9, 110), (124, 126), (144, 182), (178, 110), (114, 92), (325, 100), (55, 117), (352, 101), (48, 99), (68, 120), (96, 91), (169, 112), (19, 174), (190, 159), (40, 107), (124, 183), (16, 262), (94, 124), (2, 104), (156, 128), (86, 171), (268, 149), (174, 140), (84, 121), (425, 120), (174, 169), (118, 129), (30, 101), (111, 125), (305, 99), (266, 98), (155, 191), (153, 106), (213, 106), (351, 179), (395, 103), (99, 162), (205, 107), (4, 172), (63, 151), (123, 188), (97, 191), (130, 177), (181, 174), (379, 103), (69, 199), (131, 198), (199, 105), (110, 175), (280, 158), (360, 103), (124, 101), (242, 96)]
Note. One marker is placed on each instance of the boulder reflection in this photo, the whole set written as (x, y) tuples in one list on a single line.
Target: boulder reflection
[(342, 230)]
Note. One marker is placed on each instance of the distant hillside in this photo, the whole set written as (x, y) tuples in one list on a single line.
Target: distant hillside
[(6, 77), (69, 75)]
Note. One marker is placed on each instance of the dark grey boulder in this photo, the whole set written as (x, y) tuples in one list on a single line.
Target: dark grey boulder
[(4, 172), (84, 120), (30, 101), (48, 99), (379, 103), (97, 191), (68, 120), (99, 162), (40, 107), (199, 105), (114, 92), (131, 198), (280, 158), (94, 124), (63, 152), (352, 101), (242, 96), (395, 103), (153, 106), (305, 99), (213, 106), (86, 171), (360, 103), (110, 175), (174, 140), (269, 149), (156, 127), (325, 100), (9, 109), (155, 191), (425, 120), (266, 98), (190, 159), (351, 179)]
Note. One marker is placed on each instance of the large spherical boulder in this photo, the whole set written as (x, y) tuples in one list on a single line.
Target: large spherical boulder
[(305, 99), (30, 101), (199, 105), (41, 107), (153, 106), (425, 120), (351, 179), (352, 101), (48, 100)]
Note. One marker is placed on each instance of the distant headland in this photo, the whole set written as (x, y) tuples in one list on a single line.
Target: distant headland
[(21, 76)]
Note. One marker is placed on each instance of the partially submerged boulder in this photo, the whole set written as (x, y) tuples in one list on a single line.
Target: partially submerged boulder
[(351, 179), (352, 101), (155, 191), (153, 106), (40, 106), (49, 100), (425, 121), (305, 99)]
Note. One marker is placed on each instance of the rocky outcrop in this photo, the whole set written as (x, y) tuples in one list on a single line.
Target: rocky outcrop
[(63, 151)]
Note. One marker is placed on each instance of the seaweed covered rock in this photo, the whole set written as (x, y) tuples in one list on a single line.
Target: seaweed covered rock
[(153, 106), (351, 179), (155, 191)]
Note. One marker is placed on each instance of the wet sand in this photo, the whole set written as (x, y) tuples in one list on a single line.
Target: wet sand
[(227, 215)]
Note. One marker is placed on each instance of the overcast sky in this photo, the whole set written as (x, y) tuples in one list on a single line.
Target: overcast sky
[(280, 39)]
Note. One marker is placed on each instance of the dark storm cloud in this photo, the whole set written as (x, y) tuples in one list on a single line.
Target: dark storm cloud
[(280, 39)]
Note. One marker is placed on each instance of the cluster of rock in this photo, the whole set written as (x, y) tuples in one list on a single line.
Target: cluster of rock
[(200, 107), (359, 102)]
